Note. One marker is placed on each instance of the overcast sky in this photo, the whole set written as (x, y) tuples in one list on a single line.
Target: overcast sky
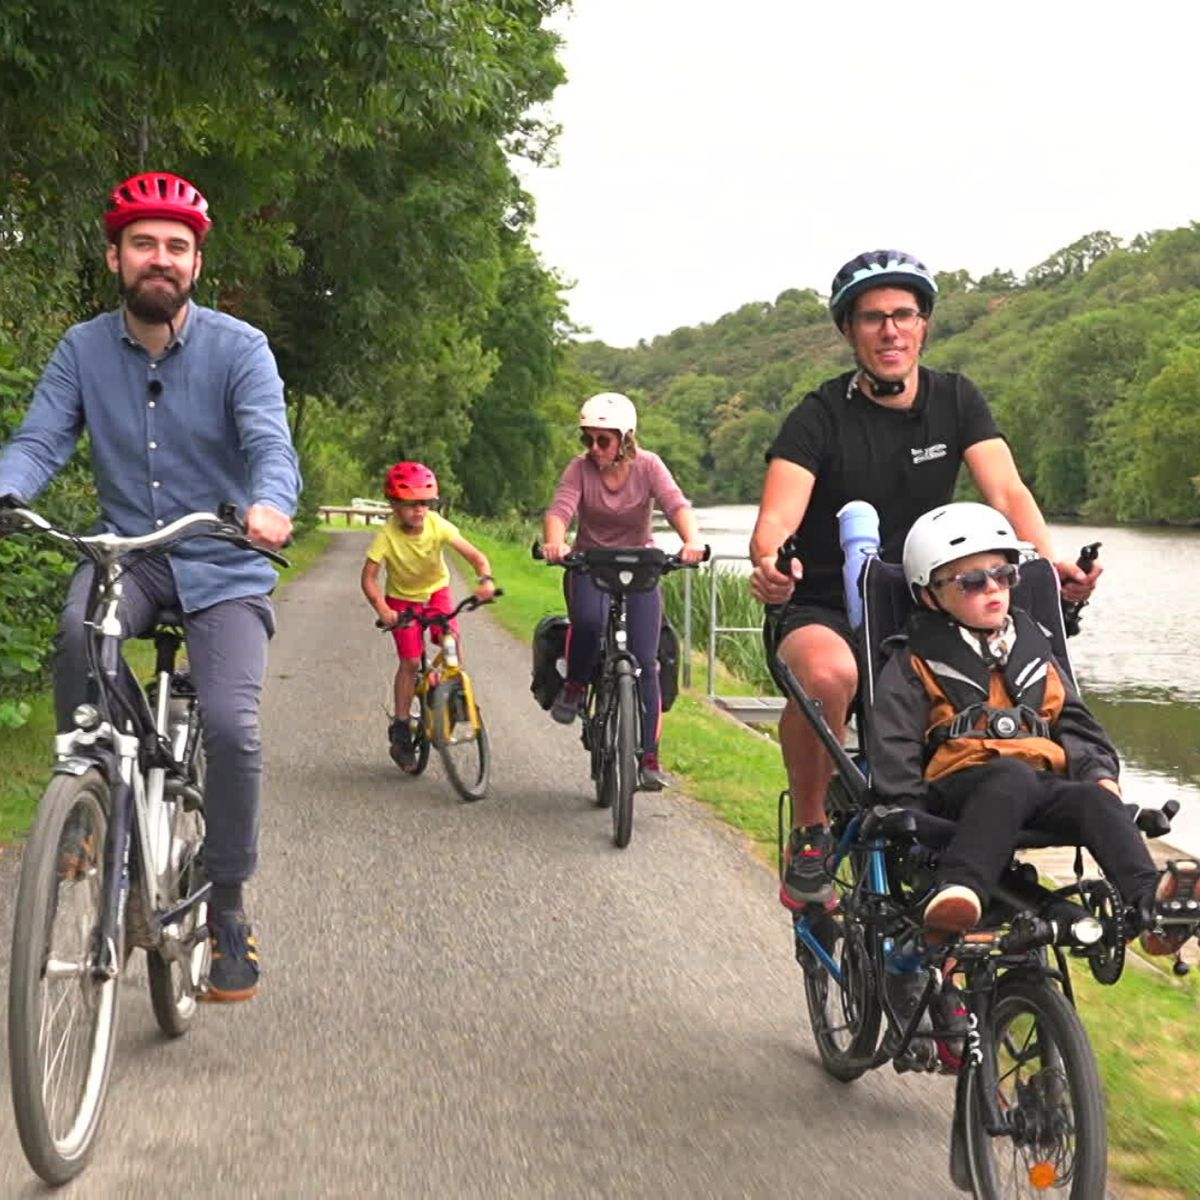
[(713, 154)]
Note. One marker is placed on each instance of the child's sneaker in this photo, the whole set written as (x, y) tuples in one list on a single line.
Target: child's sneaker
[(400, 745), (1176, 907), (954, 909)]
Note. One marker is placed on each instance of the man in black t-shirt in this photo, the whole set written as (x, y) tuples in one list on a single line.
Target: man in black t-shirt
[(892, 433)]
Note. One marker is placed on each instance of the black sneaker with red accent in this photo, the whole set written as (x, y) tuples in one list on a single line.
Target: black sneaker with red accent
[(805, 877), (951, 1024)]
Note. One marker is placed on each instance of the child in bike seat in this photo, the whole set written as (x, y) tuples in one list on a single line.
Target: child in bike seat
[(974, 720), (410, 546)]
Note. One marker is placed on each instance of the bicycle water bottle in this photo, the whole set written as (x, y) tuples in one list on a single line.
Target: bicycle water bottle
[(858, 532)]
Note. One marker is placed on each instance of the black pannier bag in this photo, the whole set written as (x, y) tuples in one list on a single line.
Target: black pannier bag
[(549, 645), (668, 664)]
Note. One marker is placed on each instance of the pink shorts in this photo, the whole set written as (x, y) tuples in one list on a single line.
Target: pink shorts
[(408, 639)]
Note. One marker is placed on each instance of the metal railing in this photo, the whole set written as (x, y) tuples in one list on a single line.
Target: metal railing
[(760, 708)]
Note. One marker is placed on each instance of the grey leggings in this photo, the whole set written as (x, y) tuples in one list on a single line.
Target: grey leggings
[(227, 655)]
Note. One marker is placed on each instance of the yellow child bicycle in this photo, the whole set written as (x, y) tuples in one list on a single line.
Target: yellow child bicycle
[(444, 713)]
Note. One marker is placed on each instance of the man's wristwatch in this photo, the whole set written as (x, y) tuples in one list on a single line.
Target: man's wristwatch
[(484, 579)]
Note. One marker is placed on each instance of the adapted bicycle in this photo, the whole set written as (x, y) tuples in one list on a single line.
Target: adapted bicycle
[(612, 721), (1029, 1105), (114, 861), (444, 712)]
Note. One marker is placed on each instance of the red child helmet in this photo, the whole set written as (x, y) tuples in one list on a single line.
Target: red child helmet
[(411, 481), (157, 195)]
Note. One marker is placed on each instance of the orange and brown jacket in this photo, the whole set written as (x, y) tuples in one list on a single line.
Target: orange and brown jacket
[(935, 697)]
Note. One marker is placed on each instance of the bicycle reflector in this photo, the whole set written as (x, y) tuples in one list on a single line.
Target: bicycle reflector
[(1043, 1175)]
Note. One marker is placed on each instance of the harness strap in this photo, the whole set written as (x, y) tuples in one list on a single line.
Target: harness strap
[(1019, 722)]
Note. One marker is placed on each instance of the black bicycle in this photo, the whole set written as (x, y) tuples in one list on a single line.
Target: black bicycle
[(612, 723), (114, 862)]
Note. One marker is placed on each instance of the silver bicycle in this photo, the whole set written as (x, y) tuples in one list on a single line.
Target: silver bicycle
[(114, 861)]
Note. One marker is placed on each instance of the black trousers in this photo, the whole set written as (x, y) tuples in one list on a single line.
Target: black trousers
[(993, 803)]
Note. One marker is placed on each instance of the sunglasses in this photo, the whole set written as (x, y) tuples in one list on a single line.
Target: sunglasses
[(601, 441), (972, 583), (434, 504)]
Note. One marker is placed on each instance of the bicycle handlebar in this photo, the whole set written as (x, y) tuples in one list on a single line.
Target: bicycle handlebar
[(467, 604), (576, 560), (1073, 608), (101, 546)]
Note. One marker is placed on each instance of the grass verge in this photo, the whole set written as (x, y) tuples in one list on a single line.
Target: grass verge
[(27, 752), (1142, 1030)]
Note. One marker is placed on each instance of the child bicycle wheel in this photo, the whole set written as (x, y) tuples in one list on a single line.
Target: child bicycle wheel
[(417, 726), (461, 742), (62, 1018)]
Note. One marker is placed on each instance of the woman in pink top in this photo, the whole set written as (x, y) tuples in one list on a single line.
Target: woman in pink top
[(612, 489)]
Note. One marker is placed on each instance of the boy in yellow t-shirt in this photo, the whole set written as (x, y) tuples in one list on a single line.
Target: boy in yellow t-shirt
[(410, 546)]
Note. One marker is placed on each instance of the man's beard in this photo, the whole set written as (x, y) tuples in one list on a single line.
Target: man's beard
[(158, 305)]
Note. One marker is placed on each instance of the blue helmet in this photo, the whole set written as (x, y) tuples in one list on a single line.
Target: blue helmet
[(880, 268)]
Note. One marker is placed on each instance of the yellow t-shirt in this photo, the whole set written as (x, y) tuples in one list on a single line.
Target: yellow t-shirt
[(414, 562)]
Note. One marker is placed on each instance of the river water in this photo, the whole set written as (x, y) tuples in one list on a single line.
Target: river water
[(1137, 655)]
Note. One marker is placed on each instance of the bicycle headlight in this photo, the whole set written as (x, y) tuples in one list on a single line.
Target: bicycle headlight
[(86, 717), (1087, 931)]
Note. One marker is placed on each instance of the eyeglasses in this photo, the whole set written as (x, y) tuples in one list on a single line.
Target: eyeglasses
[(904, 319), (972, 583), (601, 441), (433, 503)]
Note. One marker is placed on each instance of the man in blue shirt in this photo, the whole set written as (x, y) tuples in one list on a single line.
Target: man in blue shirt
[(184, 409)]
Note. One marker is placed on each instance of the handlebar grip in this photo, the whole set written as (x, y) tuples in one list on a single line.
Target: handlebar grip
[(536, 551), (786, 556), (1072, 608)]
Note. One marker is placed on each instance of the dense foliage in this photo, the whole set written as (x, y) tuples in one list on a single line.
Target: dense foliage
[(357, 159), (1091, 363)]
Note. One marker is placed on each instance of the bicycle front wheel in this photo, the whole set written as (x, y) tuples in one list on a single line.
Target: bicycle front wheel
[(462, 743), (623, 763), (1048, 1090), (62, 1019)]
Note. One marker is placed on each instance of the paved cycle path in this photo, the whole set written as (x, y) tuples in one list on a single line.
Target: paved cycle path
[(486, 1000)]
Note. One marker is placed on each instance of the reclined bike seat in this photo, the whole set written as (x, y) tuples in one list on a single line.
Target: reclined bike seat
[(887, 604)]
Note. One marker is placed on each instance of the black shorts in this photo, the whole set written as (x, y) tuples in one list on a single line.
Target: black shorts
[(779, 622)]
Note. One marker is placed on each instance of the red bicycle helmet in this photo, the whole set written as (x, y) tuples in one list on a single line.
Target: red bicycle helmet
[(411, 481), (157, 195)]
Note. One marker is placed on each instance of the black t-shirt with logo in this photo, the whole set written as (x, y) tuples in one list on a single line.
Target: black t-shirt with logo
[(902, 461)]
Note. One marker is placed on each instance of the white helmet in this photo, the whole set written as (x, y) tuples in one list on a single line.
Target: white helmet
[(954, 531), (609, 410)]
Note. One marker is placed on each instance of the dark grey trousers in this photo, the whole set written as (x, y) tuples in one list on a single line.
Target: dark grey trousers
[(227, 655)]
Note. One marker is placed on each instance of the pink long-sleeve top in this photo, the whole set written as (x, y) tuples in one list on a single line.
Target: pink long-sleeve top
[(620, 518)]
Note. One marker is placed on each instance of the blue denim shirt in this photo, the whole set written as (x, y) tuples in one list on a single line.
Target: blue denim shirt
[(202, 424)]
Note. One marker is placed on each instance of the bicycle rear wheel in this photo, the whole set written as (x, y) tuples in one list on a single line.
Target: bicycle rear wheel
[(418, 727), (1048, 1088), (176, 970), (62, 1020), (623, 765), (462, 745)]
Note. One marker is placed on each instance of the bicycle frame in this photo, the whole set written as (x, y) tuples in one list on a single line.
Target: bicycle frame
[(601, 690), (125, 740), (445, 666)]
